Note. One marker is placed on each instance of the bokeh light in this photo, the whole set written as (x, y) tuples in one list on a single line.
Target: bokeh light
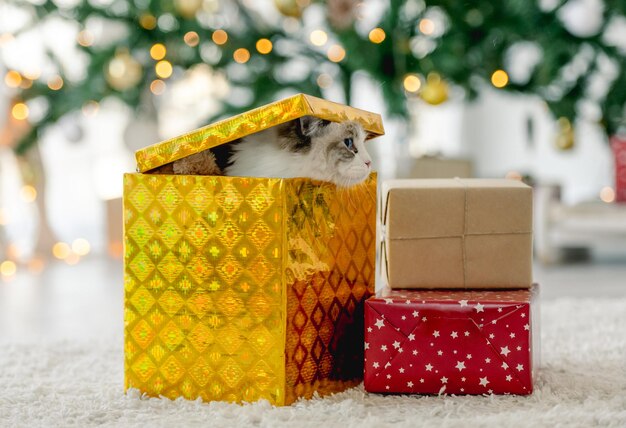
[(147, 21), (157, 87), (85, 38), (220, 37), (324, 80), (513, 175), (20, 111), (55, 83), (13, 251), (32, 73), (163, 69), (61, 250), (377, 35), (13, 79), (191, 38), (72, 259), (6, 38), (412, 83), (158, 51), (264, 46), (318, 37), (90, 108), (8, 268), (499, 78), (28, 193), (81, 246), (336, 53), (427, 26), (241, 55), (607, 194), (36, 265)]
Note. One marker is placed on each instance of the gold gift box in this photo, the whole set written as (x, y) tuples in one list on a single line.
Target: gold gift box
[(241, 289)]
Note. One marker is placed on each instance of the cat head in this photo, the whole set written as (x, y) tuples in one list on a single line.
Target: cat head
[(333, 151)]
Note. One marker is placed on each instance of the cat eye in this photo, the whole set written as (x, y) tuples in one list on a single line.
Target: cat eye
[(349, 143)]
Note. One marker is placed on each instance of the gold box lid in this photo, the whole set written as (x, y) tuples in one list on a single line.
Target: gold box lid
[(252, 121)]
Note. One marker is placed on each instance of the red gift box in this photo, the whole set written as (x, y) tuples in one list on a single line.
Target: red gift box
[(452, 342)]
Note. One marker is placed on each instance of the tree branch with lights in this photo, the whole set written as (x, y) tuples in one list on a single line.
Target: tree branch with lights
[(417, 48)]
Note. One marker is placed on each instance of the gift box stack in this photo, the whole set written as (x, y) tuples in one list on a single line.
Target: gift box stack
[(457, 314)]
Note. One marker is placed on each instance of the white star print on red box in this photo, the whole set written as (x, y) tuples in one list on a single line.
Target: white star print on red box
[(464, 342)]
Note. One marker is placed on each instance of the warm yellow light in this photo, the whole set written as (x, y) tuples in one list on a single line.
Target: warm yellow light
[(90, 108), (28, 193), (26, 83), (4, 219), (220, 37), (607, 194), (264, 46), (81, 246), (157, 87), (513, 175), (36, 265), (241, 55), (85, 38), (158, 51), (32, 73), (163, 69), (20, 111), (55, 83), (324, 80), (116, 249), (191, 38), (336, 53), (377, 35), (72, 259), (12, 79), (8, 268), (318, 37), (6, 38), (13, 251), (499, 78), (412, 83), (61, 250), (427, 26), (147, 21)]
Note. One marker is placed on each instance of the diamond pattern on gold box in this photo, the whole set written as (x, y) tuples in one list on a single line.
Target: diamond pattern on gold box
[(245, 288)]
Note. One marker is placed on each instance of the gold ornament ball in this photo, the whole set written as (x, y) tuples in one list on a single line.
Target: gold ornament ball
[(123, 71), (290, 8), (188, 8), (435, 91), (565, 135)]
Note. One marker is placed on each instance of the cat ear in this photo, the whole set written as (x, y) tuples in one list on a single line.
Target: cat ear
[(310, 125)]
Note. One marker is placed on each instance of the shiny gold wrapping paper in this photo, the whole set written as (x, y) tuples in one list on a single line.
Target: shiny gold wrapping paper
[(239, 289), (254, 121)]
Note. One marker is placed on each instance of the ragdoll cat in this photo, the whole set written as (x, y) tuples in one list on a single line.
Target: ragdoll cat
[(305, 147)]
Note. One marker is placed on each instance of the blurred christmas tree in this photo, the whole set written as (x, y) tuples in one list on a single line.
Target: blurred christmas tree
[(571, 53)]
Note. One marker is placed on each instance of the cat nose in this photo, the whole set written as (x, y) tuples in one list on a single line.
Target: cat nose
[(368, 163)]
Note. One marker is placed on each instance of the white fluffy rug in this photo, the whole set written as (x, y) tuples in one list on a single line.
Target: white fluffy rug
[(582, 383)]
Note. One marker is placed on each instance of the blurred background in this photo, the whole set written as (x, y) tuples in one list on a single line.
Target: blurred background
[(525, 89)]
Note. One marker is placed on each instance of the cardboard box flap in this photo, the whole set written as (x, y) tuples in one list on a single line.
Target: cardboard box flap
[(443, 208), (248, 123)]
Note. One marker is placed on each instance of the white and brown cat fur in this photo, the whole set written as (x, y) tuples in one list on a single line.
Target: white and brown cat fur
[(305, 147)]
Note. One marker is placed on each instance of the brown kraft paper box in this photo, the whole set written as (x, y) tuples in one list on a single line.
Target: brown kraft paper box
[(456, 233)]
